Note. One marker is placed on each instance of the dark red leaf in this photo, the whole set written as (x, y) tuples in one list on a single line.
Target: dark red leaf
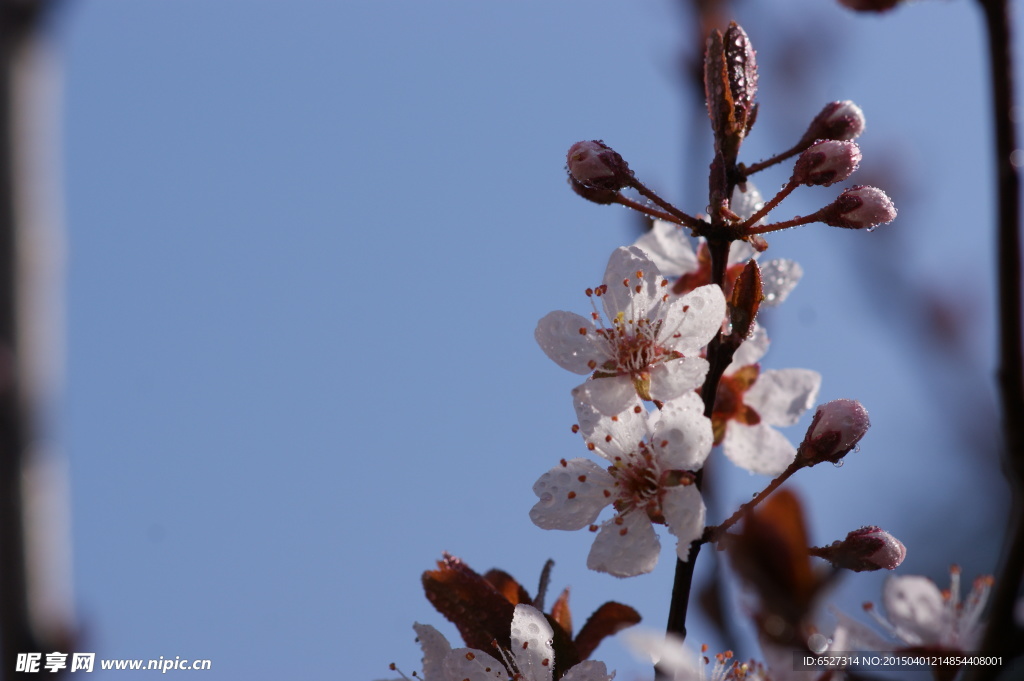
[(607, 620), (508, 587), (479, 611), (560, 612)]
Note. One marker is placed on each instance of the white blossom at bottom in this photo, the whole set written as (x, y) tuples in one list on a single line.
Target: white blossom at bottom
[(531, 658)]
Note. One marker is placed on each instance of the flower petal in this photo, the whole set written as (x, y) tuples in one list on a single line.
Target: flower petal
[(531, 644), (915, 607), (671, 379), (758, 449), (746, 200), (621, 279), (781, 396), (625, 548), (667, 651), (778, 278), (684, 512), (571, 495), (571, 341), (472, 665), (691, 321), (682, 433), (435, 647), (669, 249), (613, 436), (750, 350), (609, 395), (588, 670), (852, 635)]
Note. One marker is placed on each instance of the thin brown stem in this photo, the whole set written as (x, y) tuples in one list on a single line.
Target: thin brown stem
[(785, 224), (720, 352), (767, 163), (769, 206), (684, 218), (646, 210), (713, 534)]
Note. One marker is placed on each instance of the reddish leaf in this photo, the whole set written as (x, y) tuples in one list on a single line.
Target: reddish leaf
[(771, 554), (607, 620), (508, 587), (560, 612), (479, 611)]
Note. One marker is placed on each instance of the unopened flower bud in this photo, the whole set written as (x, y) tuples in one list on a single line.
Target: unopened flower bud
[(594, 194), (859, 207), (869, 548), (837, 427), (837, 121), (595, 164), (826, 162), (870, 5)]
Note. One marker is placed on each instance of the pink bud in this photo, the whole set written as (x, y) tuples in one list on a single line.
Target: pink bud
[(594, 194), (870, 5), (837, 121), (826, 162), (859, 208), (837, 427), (867, 549), (595, 164)]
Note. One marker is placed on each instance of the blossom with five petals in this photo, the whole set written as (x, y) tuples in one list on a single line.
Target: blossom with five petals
[(650, 480), (650, 344), (750, 402)]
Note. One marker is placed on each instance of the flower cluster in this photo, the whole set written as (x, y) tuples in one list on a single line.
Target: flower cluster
[(671, 354)]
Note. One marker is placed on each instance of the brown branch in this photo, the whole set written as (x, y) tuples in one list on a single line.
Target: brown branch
[(1003, 635)]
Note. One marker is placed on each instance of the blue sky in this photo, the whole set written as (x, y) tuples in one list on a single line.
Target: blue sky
[(307, 246)]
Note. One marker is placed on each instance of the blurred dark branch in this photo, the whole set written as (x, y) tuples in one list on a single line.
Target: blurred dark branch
[(1003, 634), (19, 24)]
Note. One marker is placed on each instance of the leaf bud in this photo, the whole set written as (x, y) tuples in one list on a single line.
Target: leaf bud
[(747, 294), (730, 85)]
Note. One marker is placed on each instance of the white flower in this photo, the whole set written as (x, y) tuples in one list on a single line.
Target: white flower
[(750, 402), (672, 252), (531, 658), (648, 481), (648, 347), (920, 615)]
